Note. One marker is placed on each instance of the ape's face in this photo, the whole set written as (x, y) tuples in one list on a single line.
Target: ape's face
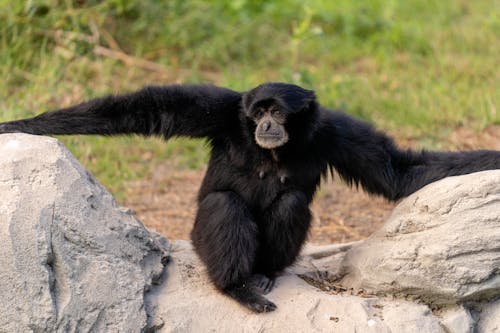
[(271, 107), (270, 119)]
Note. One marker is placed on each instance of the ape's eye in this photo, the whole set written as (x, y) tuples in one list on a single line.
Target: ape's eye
[(277, 112), (259, 112)]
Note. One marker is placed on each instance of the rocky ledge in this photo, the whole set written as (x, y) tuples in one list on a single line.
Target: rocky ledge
[(71, 259)]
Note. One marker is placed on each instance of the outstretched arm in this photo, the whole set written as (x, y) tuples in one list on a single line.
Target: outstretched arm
[(195, 111), (363, 156)]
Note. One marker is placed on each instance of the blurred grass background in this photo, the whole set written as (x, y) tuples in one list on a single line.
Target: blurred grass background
[(417, 68)]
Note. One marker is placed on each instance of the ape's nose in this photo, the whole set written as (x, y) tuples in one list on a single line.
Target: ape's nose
[(266, 125)]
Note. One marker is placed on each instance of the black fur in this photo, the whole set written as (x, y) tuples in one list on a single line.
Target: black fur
[(253, 212)]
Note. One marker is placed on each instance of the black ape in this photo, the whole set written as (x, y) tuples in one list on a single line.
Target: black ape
[(270, 147)]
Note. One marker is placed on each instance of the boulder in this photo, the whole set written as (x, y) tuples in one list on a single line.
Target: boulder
[(71, 259), (440, 245)]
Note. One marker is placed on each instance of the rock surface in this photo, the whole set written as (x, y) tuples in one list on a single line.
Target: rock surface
[(187, 302), (72, 260), (489, 319), (441, 244)]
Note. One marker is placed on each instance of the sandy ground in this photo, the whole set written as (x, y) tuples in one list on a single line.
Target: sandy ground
[(166, 201)]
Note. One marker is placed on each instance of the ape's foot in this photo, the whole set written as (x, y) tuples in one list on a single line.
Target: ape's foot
[(262, 283), (248, 296)]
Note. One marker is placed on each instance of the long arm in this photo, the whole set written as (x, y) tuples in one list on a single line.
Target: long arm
[(366, 157), (195, 111)]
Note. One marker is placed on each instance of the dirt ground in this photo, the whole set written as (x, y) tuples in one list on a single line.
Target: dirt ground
[(166, 202)]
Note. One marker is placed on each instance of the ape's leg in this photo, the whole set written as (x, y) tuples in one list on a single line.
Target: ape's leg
[(225, 238), (284, 229)]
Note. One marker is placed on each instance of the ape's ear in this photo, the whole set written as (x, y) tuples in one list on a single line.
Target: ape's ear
[(301, 99), (310, 105), (248, 98), (309, 99)]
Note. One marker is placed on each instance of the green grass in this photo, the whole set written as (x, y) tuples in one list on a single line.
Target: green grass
[(415, 68)]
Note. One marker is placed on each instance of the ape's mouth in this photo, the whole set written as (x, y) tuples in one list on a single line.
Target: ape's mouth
[(270, 140), (270, 135)]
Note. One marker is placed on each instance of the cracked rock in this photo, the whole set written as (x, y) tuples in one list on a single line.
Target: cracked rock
[(70, 258), (441, 244)]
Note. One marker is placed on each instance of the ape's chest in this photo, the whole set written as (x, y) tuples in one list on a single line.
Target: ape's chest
[(259, 178), (270, 174), (262, 180), (260, 185)]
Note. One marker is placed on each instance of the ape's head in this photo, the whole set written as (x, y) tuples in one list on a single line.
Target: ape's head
[(275, 109)]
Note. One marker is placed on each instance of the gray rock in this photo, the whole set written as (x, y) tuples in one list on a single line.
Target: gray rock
[(187, 302), (489, 318), (457, 319), (441, 244), (71, 259)]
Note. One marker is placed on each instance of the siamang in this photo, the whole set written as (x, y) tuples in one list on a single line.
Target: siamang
[(270, 146)]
